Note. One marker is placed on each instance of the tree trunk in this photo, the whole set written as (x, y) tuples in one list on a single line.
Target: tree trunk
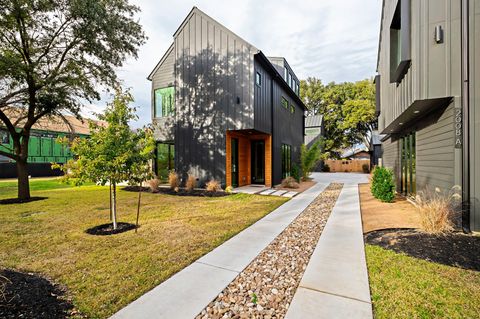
[(110, 183), (138, 205), (114, 206), (23, 183)]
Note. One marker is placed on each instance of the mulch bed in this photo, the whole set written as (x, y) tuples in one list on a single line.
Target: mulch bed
[(107, 229), (266, 287), (181, 192), (455, 249), (28, 295), (9, 201)]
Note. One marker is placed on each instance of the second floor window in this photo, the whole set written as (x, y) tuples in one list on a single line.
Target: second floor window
[(258, 79), (284, 103), (292, 108), (164, 102)]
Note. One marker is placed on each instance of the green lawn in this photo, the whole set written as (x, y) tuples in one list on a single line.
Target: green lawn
[(40, 184), (105, 273), (407, 287)]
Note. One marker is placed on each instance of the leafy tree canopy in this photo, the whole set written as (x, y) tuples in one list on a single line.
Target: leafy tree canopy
[(348, 111)]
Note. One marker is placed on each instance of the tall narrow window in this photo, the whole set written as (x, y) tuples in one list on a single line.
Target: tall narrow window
[(258, 79), (400, 41), (165, 160), (286, 160), (164, 102), (285, 74), (408, 164)]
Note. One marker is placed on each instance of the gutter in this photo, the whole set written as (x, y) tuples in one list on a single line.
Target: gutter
[(465, 34)]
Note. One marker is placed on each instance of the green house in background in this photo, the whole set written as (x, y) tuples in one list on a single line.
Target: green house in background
[(43, 149)]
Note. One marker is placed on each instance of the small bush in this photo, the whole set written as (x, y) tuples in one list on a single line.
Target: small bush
[(290, 182), (153, 185), (229, 190), (366, 168), (383, 185), (437, 210), (296, 172), (191, 183), (213, 186), (173, 180), (326, 168)]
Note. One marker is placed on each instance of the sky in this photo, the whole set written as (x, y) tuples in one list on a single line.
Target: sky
[(334, 40)]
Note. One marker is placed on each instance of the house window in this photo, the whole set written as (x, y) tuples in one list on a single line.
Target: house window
[(164, 102), (286, 74), (400, 41), (292, 108), (297, 88), (408, 164), (284, 103), (312, 131), (165, 160), (289, 79), (258, 79), (286, 160), (4, 137)]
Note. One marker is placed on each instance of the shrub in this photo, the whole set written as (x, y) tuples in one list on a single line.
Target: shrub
[(383, 185), (153, 185), (290, 182), (326, 168), (173, 180), (309, 157), (437, 210), (366, 168), (229, 190), (213, 186), (296, 172), (191, 183)]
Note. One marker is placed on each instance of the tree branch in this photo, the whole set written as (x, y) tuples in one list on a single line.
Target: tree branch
[(10, 155)]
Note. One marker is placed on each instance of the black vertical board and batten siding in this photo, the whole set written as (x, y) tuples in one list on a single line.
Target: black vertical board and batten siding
[(214, 68)]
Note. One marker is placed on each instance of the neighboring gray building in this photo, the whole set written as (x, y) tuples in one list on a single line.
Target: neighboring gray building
[(221, 109), (430, 119), (314, 131)]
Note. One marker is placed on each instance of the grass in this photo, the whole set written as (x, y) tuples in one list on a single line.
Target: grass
[(105, 273), (10, 186), (407, 287)]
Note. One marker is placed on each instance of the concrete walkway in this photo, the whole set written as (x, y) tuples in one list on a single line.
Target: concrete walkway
[(335, 283), (186, 293)]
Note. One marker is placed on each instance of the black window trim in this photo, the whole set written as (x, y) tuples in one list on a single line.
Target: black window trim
[(404, 10)]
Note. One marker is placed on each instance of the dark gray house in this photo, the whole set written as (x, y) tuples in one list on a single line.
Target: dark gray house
[(428, 97), (222, 109)]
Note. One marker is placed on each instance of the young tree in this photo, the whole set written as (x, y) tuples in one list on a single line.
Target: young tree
[(113, 153), (348, 110), (54, 54)]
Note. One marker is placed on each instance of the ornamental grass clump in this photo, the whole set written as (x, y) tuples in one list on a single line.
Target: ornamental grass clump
[(191, 183), (173, 180), (438, 210), (153, 185), (213, 186), (383, 184)]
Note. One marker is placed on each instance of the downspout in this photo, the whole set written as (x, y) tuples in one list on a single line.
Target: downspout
[(465, 117), (272, 150)]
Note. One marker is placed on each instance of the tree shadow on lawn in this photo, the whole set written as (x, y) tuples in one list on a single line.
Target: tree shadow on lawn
[(455, 249), (8, 201), (27, 295)]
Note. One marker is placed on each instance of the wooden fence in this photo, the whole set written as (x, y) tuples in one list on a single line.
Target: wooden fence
[(355, 166)]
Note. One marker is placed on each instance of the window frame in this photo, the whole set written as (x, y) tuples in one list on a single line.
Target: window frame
[(170, 160), (286, 160), (169, 109), (284, 102), (4, 137), (400, 41)]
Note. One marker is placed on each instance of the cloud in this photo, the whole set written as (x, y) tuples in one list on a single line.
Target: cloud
[(334, 40)]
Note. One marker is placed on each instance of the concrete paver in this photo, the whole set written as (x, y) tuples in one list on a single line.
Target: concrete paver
[(278, 193), (290, 194)]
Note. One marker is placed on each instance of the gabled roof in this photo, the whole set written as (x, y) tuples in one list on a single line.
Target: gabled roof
[(313, 121), (160, 62)]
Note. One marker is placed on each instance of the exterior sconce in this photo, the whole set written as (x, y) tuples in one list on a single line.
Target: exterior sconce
[(438, 34)]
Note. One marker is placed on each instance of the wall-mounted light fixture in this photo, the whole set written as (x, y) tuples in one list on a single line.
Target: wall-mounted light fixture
[(438, 34)]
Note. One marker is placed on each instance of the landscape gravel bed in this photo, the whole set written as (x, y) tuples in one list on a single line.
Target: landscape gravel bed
[(266, 287)]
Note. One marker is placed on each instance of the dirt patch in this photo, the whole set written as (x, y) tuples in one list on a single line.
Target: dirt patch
[(377, 215), (455, 249), (181, 192), (107, 229), (303, 187), (9, 201), (28, 295)]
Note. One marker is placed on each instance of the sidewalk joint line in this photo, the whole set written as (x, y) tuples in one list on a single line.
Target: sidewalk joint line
[(333, 294), (206, 264)]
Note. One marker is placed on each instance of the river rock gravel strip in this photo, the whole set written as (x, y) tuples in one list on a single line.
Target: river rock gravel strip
[(266, 287)]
